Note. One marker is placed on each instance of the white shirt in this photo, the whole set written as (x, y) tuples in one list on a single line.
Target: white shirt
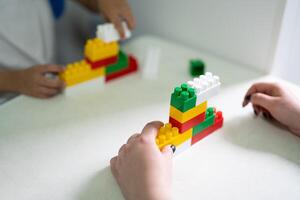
[(26, 34)]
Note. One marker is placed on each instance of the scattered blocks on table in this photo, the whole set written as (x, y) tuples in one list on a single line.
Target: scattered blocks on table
[(197, 67), (108, 33), (183, 98), (96, 50), (79, 72)]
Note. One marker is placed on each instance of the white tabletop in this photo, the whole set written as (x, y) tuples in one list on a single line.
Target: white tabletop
[(59, 149)]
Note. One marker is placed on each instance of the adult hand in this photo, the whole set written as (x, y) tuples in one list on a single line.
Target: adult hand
[(275, 102), (142, 171)]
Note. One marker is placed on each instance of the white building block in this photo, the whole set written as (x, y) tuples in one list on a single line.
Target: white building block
[(108, 33), (151, 62), (181, 148), (206, 86)]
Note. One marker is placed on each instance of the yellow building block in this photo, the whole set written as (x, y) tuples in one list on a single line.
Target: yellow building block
[(79, 72), (169, 135), (183, 117), (96, 49)]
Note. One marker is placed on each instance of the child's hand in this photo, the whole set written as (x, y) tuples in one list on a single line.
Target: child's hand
[(34, 82), (142, 171), (116, 11), (275, 102)]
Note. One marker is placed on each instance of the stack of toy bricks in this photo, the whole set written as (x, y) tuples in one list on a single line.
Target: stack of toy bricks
[(103, 59), (190, 119)]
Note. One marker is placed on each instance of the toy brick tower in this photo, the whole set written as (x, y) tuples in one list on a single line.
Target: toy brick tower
[(190, 119), (103, 59)]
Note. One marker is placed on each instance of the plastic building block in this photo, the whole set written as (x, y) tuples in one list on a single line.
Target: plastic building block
[(182, 147), (197, 67), (133, 66), (169, 135), (96, 50), (183, 98), (79, 72), (209, 120), (218, 124), (122, 63), (189, 124), (206, 86), (102, 63), (183, 117), (151, 62), (108, 33)]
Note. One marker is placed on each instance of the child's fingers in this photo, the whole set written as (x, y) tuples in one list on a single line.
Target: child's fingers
[(263, 100), (168, 151), (52, 83), (51, 68), (151, 130)]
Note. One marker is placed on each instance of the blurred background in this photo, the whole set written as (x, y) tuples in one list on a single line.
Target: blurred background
[(259, 34)]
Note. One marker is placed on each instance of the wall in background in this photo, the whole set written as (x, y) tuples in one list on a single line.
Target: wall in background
[(287, 59), (243, 31)]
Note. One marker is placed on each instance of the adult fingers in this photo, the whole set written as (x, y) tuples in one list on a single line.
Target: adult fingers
[(52, 83), (47, 92), (129, 18)]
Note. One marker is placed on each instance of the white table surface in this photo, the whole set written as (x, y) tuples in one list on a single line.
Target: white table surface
[(59, 149)]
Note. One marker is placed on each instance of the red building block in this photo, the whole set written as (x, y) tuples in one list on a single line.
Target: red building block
[(218, 124), (133, 66), (102, 63), (189, 124)]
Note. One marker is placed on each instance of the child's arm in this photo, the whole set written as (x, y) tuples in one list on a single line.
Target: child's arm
[(32, 81), (114, 10), (275, 102), (142, 171)]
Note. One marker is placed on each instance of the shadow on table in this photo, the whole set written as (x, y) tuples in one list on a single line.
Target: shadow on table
[(101, 186), (262, 135)]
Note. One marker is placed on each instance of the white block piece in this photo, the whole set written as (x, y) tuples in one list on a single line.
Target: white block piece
[(181, 148), (151, 62), (108, 33), (87, 87), (206, 86)]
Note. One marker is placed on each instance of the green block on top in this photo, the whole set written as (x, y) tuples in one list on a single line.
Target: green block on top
[(122, 63), (183, 98), (197, 67), (209, 121)]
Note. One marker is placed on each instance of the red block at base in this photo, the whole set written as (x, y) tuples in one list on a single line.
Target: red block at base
[(218, 124), (187, 125), (133, 66), (102, 63)]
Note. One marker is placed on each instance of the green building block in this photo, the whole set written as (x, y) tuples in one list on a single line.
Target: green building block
[(209, 121), (197, 67), (119, 65), (183, 98)]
